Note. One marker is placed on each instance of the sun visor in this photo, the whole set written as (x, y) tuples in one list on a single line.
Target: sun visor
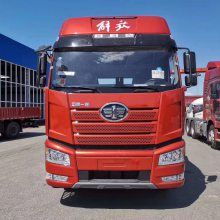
[(105, 40)]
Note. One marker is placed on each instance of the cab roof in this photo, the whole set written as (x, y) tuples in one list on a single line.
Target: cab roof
[(115, 25), (213, 64), (198, 101)]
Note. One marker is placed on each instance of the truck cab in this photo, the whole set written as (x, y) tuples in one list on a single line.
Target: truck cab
[(194, 111), (115, 105), (211, 94), (207, 125)]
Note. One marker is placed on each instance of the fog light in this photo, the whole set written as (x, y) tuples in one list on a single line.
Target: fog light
[(57, 157), (54, 177), (174, 178)]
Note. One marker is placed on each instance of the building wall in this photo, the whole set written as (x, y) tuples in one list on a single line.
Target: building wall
[(17, 53)]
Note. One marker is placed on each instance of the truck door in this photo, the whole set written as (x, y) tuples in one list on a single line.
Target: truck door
[(215, 101)]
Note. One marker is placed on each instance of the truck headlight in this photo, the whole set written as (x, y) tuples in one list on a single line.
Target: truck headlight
[(57, 157), (172, 157)]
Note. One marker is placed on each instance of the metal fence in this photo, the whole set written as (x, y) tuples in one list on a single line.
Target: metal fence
[(18, 87)]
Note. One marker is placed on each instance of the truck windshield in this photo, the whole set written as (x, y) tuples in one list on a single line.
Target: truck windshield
[(154, 69)]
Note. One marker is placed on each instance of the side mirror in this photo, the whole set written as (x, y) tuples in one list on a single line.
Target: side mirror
[(42, 81), (214, 91), (42, 64), (191, 80), (213, 96), (195, 109), (189, 59), (42, 67)]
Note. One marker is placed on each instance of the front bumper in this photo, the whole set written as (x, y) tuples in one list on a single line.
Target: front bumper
[(115, 160), (113, 185)]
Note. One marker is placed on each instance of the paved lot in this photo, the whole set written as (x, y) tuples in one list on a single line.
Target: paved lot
[(25, 195)]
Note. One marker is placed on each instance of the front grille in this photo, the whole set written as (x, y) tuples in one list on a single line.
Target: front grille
[(114, 175), (114, 128), (90, 129), (114, 139), (133, 115)]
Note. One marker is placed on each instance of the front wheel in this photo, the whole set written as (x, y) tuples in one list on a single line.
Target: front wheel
[(193, 130), (211, 138), (188, 127)]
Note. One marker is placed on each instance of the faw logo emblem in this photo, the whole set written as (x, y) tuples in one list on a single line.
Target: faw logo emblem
[(114, 112), (106, 26)]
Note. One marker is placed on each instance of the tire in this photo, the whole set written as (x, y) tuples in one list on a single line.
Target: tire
[(211, 138), (69, 190), (12, 130), (187, 128), (3, 134), (192, 130)]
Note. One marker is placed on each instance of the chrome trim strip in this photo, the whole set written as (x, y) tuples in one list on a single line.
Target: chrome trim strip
[(112, 185)]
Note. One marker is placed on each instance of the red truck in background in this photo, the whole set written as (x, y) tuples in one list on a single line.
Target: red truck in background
[(208, 125), (21, 100), (12, 119), (189, 99), (115, 104)]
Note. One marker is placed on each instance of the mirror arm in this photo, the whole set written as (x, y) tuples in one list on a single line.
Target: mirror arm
[(45, 49), (49, 55), (184, 48)]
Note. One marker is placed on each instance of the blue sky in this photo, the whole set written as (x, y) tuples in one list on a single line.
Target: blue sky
[(193, 23)]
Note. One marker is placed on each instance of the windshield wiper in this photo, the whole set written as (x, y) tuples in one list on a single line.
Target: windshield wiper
[(140, 88), (80, 89), (146, 89)]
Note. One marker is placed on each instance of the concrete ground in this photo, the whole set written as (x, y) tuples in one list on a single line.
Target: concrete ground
[(24, 193)]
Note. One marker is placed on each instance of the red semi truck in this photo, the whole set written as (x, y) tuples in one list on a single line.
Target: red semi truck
[(115, 104), (12, 119), (208, 125)]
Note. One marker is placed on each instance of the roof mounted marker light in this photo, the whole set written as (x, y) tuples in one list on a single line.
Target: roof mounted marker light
[(98, 36)]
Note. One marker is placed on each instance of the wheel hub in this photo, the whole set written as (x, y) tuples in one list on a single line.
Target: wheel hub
[(211, 136)]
